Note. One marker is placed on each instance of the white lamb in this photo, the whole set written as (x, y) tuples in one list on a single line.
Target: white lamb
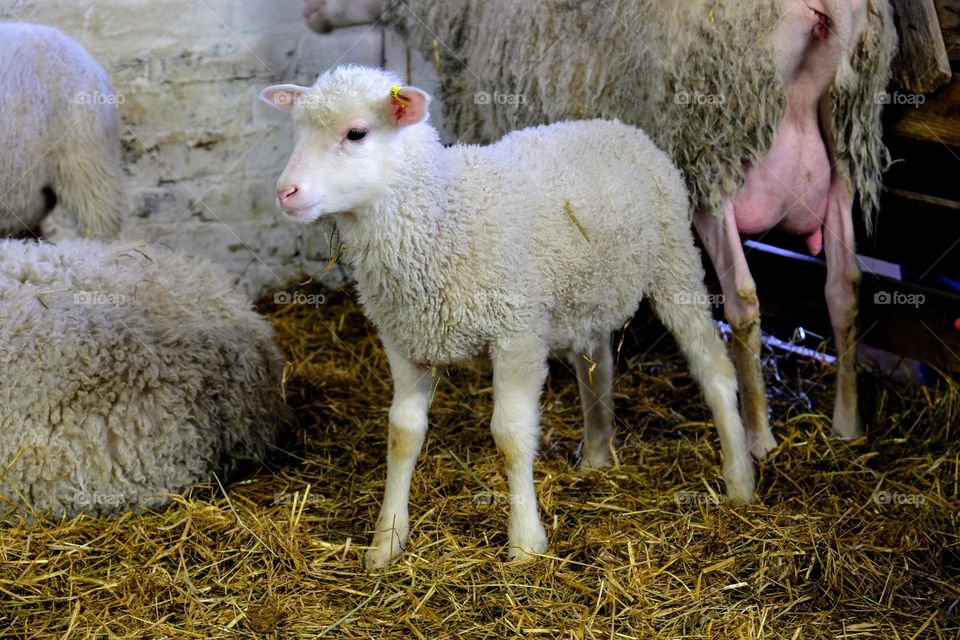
[(542, 243), (59, 137)]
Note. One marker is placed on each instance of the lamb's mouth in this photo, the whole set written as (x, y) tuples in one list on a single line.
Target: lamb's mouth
[(302, 214)]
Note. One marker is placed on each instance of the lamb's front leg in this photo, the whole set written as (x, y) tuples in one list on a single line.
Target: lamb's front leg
[(412, 386), (842, 291), (519, 372)]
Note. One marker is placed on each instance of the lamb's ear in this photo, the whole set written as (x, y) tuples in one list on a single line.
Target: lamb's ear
[(406, 106), (282, 96)]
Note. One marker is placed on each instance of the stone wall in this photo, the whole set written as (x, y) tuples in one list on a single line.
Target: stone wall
[(202, 153)]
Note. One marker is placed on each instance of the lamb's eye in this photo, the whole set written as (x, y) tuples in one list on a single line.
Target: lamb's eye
[(356, 134)]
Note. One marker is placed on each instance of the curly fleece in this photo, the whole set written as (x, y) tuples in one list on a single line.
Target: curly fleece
[(630, 59), (125, 372)]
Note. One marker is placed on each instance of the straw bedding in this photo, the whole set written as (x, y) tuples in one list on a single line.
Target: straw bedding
[(848, 540)]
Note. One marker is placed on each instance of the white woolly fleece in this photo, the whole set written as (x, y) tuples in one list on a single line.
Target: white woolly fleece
[(558, 230), (652, 52), (125, 372), (59, 130)]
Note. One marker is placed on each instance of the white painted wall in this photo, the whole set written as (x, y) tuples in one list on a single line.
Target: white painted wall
[(202, 153)]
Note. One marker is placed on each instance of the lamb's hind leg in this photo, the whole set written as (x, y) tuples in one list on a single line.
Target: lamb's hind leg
[(680, 301), (595, 380), (519, 371), (742, 310), (843, 280), (408, 427)]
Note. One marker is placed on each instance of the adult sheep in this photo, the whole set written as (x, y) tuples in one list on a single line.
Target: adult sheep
[(126, 373), (770, 108), (542, 243), (59, 137)]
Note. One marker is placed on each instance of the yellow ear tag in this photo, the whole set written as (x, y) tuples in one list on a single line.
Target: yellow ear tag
[(395, 94)]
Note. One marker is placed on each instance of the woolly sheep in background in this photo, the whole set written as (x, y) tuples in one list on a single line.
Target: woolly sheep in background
[(711, 81), (59, 140), (125, 372), (544, 242)]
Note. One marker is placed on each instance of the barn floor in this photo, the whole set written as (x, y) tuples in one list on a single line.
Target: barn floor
[(848, 540)]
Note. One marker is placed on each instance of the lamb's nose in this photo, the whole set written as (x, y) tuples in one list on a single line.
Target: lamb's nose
[(285, 193)]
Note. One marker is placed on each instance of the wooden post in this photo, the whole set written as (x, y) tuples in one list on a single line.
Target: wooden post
[(922, 65), (948, 11)]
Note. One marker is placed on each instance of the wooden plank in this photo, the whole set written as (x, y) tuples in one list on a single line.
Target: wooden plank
[(922, 331), (936, 120), (916, 231), (948, 11), (921, 65), (929, 168)]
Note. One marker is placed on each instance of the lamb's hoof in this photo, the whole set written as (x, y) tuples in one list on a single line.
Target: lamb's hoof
[(761, 443), (847, 425), (741, 484), (380, 557), (527, 550), (595, 460), (386, 546)]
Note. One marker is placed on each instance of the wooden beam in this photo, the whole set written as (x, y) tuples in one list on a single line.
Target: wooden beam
[(921, 65), (936, 120), (948, 11)]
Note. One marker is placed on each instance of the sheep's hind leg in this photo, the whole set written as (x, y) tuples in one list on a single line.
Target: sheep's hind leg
[(519, 372), (595, 380), (843, 283), (408, 427), (89, 180), (742, 310)]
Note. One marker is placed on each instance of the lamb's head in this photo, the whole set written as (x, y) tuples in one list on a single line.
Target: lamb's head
[(348, 139)]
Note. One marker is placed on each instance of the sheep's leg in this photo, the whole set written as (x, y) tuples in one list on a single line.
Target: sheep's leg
[(518, 376), (842, 290), (597, 401), (408, 426), (742, 310), (89, 179), (692, 325)]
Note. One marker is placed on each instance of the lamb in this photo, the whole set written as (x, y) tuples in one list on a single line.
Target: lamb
[(543, 243), (127, 372), (60, 133), (770, 109)]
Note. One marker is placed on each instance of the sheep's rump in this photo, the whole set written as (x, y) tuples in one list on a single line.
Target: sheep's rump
[(698, 76), (125, 372), (59, 131)]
